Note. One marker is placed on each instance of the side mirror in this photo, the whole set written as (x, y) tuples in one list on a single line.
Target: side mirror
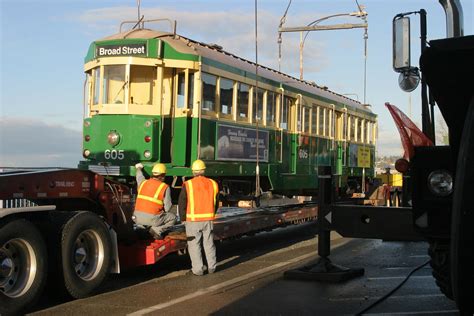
[(401, 44), (409, 79), (409, 76)]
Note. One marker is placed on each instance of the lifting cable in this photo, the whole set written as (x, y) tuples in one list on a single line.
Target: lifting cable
[(255, 115), (366, 36), (282, 21), (383, 298)]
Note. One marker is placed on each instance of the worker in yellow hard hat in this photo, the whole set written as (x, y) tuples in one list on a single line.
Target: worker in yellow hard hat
[(197, 206), (153, 203)]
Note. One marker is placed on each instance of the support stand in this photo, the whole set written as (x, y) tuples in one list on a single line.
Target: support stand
[(324, 270)]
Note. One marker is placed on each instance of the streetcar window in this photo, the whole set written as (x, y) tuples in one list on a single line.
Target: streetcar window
[(181, 89), (374, 133), (306, 119), (208, 91), (314, 120), (114, 84), (190, 90), (96, 85), (368, 130), (242, 101), (298, 112), (226, 93), (258, 113), (344, 126), (141, 84), (353, 128), (321, 121), (284, 113), (271, 107), (327, 122)]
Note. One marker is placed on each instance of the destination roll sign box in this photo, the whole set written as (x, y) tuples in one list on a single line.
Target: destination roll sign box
[(121, 50)]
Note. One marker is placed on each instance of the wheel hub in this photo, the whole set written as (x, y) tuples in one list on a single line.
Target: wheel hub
[(17, 267), (6, 268), (88, 255)]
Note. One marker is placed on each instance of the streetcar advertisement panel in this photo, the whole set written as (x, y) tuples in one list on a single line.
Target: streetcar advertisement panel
[(239, 143)]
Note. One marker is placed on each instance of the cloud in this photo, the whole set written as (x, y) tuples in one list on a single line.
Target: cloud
[(33, 143), (388, 143)]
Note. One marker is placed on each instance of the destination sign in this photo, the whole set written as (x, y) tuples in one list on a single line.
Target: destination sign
[(121, 50)]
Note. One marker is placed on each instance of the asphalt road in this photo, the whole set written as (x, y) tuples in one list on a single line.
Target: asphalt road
[(249, 281)]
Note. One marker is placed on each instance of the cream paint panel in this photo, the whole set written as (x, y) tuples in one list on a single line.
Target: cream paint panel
[(148, 109), (175, 63), (122, 61), (339, 125)]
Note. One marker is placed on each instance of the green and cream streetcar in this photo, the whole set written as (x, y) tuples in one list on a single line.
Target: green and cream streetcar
[(159, 97)]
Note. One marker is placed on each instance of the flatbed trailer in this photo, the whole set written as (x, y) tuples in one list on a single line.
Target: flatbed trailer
[(80, 229)]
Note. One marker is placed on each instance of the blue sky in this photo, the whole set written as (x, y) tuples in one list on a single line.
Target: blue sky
[(43, 44)]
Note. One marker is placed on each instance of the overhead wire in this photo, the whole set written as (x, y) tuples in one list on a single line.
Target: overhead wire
[(255, 115)]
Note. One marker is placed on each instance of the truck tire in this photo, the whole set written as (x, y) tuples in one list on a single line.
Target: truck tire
[(86, 251), (440, 263), (23, 266), (462, 235)]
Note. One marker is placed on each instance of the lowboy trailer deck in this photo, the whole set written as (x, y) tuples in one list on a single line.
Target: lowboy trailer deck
[(81, 229)]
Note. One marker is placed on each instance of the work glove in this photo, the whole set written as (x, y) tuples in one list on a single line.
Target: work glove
[(139, 165)]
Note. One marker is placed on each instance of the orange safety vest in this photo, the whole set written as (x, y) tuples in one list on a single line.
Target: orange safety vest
[(201, 199), (151, 194)]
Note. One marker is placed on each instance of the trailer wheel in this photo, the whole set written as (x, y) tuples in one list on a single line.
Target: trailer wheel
[(86, 251), (23, 266), (462, 236)]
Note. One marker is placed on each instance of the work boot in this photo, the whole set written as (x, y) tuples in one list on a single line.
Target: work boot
[(190, 272)]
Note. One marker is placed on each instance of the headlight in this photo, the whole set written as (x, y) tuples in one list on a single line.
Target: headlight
[(86, 153), (440, 183), (113, 138), (147, 154)]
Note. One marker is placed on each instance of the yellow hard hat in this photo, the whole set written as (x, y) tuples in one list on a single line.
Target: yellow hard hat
[(159, 168), (198, 165)]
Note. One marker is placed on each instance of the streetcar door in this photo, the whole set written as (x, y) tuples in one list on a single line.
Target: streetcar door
[(289, 139), (183, 92), (339, 141)]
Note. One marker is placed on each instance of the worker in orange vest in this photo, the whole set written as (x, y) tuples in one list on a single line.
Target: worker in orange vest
[(197, 205), (153, 204)]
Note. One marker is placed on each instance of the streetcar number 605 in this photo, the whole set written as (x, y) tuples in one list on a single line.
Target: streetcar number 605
[(114, 154)]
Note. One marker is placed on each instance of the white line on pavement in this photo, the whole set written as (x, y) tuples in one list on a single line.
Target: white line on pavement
[(447, 312), (400, 277), (221, 285)]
